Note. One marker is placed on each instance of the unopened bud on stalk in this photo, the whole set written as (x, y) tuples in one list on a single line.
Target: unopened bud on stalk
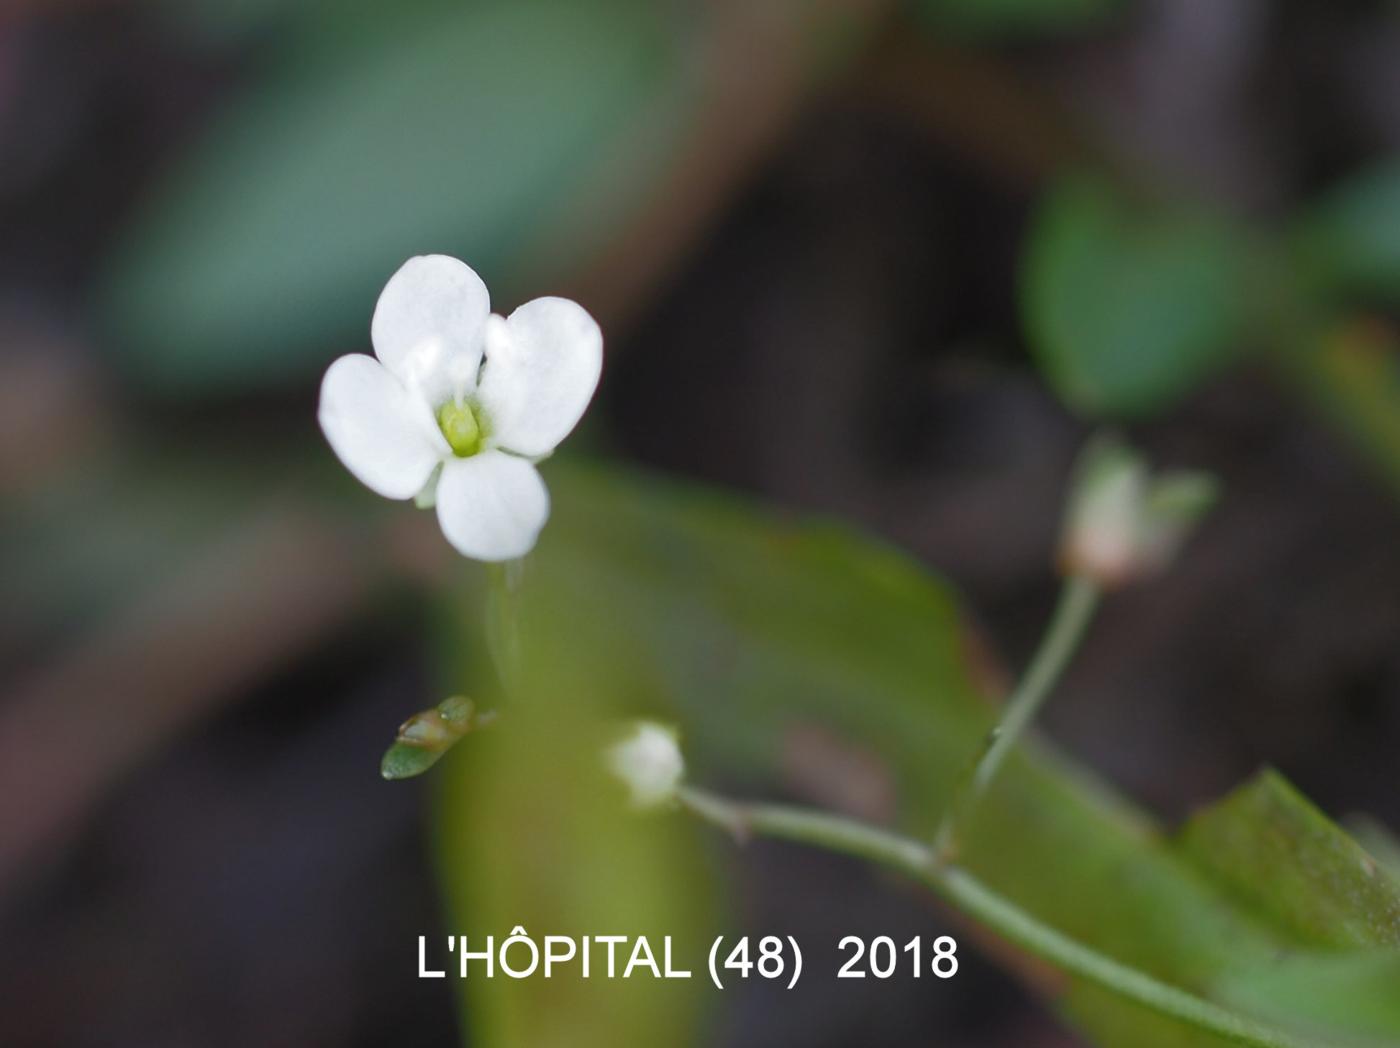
[(649, 763), (1122, 523)]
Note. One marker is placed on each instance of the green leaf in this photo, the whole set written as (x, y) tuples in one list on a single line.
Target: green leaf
[(371, 136), (1288, 861), (1127, 310), (1350, 241), (758, 634), (532, 830), (1354, 994)]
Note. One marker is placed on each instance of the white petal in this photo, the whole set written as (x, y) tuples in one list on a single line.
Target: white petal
[(491, 506), (537, 383), (383, 434), (427, 323)]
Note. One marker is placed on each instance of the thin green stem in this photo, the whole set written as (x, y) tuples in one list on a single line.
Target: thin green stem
[(972, 897), (1078, 598), (502, 621)]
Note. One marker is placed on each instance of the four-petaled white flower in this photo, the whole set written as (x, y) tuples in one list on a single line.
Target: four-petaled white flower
[(462, 402)]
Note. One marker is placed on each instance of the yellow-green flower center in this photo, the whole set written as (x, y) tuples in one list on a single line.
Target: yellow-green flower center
[(462, 427)]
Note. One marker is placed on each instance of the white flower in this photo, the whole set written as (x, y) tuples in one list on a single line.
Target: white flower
[(462, 402), (649, 762)]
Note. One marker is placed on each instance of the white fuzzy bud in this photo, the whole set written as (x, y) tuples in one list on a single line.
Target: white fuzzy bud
[(649, 762)]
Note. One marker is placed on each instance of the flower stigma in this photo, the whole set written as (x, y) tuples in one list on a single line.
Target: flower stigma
[(462, 427)]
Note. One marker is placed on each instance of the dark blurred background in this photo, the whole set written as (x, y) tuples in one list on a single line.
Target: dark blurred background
[(804, 228)]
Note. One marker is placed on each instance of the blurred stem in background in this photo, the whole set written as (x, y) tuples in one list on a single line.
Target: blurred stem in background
[(503, 620), (972, 897)]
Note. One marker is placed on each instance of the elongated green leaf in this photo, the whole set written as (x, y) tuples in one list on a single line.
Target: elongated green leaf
[(383, 131), (531, 835), (1127, 310)]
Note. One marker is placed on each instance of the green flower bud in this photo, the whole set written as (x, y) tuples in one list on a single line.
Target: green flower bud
[(426, 736)]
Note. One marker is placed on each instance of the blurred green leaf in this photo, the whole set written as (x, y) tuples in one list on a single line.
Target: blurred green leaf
[(1350, 241), (1015, 17), (531, 830), (759, 634), (1357, 994), (384, 133), (1127, 311), (1268, 844)]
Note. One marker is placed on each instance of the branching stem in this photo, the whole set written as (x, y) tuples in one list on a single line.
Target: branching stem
[(964, 891)]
